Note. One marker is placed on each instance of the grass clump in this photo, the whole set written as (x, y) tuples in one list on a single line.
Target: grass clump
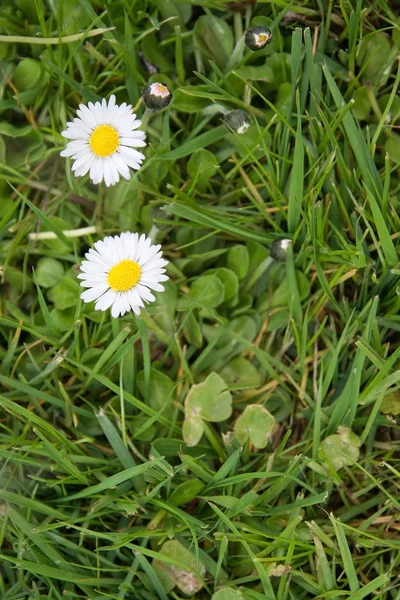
[(237, 440)]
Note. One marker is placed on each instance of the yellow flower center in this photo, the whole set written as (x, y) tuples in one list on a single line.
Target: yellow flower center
[(262, 37), (104, 140), (123, 276), (160, 89)]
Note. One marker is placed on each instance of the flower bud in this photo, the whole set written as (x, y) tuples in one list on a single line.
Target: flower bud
[(257, 38), (156, 96), (278, 249), (238, 120)]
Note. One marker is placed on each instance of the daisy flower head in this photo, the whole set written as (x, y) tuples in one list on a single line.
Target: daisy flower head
[(120, 273), (104, 137), (257, 38), (156, 96)]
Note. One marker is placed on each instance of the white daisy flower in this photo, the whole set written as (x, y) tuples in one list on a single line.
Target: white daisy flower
[(121, 271), (103, 141)]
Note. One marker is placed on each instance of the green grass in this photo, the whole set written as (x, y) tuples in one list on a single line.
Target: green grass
[(100, 497)]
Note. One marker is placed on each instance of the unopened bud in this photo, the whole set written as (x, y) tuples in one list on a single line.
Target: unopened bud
[(238, 120), (156, 96), (278, 249), (257, 38)]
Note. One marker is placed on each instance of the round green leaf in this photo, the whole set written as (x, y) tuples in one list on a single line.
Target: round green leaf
[(187, 581), (394, 112), (392, 147), (362, 103), (63, 319), (186, 492), (255, 424), (238, 260), (209, 400), (185, 99), (216, 37), (161, 390), (28, 74), (48, 272), (391, 404), (17, 279), (229, 280), (227, 594), (202, 164), (241, 374), (208, 291), (192, 430), (65, 293), (261, 73), (135, 426), (341, 448), (373, 55)]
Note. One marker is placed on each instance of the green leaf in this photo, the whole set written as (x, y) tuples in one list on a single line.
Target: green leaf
[(75, 85), (202, 164), (192, 430), (362, 103), (189, 581), (186, 100), (227, 594), (202, 140), (261, 73), (209, 400), (297, 176), (48, 272), (65, 293), (374, 57), (387, 244), (341, 448), (392, 147), (192, 330), (241, 374), (283, 293), (161, 390), (216, 37), (63, 319), (255, 424), (391, 404), (362, 153), (208, 291), (238, 260), (28, 74), (24, 144), (186, 492), (228, 279)]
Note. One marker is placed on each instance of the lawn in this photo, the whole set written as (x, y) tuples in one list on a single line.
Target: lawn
[(233, 432)]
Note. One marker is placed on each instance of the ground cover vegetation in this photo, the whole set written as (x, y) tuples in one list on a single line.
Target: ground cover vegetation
[(238, 437)]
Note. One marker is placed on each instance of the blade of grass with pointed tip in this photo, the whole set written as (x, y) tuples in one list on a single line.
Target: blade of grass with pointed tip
[(201, 141), (50, 226), (78, 87), (347, 560), (212, 221), (384, 236), (297, 176), (109, 483), (361, 151), (33, 392), (345, 407)]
